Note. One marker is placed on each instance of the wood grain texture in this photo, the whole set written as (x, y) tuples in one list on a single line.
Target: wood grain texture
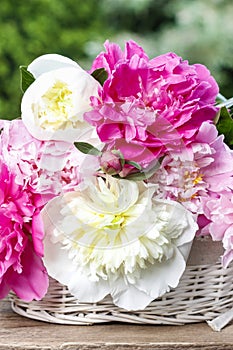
[(17, 332)]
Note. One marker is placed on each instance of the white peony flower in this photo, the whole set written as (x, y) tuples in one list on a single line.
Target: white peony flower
[(53, 105), (113, 237)]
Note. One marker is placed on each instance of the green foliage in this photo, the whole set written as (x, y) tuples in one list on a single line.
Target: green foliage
[(134, 164), (145, 173), (137, 16), (202, 32), (87, 148), (26, 78), (225, 126), (100, 75), (35, 27)]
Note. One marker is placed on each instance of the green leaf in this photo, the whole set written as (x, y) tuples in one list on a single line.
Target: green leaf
[(87, 148), (100, 75), (26, 78), (146, 174), (136, 176), (119, 154), (225, 126), (134, 164)]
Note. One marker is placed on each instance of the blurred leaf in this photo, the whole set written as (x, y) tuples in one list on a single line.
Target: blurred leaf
[(146, 174), (134, 164), (225, 125), (26, 78), (100, 75), (87, 148)]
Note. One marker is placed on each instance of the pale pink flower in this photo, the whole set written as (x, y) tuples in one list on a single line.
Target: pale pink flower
[(219, 212), (47, 167), (198, 174), (147, 107), (21, 267)]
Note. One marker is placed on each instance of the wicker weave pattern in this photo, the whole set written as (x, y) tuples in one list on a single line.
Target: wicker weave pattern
[(204, 292)]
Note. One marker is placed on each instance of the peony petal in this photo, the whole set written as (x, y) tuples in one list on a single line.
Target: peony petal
[(82, 288), (155, 281), (37, 233), (128, 296), (52, 163), (61, 268), (33, 282), (158, 278), (4, 286), (46, 63)]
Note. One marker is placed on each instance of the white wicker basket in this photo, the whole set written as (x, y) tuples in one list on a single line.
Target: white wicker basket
[(204, 292)]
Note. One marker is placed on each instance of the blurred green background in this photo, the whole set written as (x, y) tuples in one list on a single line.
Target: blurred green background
[(198, 30)]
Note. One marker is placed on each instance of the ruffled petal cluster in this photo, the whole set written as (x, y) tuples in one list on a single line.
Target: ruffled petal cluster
[(32, 172), (200, 171), (148, 107), (21, 267), (112, 237), (218, 222), (219, 212), (201, 179), (45, 167)]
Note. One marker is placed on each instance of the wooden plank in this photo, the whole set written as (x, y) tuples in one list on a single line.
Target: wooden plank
[(17, 332)]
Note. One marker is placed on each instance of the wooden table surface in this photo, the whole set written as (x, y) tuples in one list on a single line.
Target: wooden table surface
[(17, 332)]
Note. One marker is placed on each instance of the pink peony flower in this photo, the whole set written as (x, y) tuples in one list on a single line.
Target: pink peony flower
[(198, 174), (219, 212), (47, 167), (21, 266), (32, 172), (147, 107)]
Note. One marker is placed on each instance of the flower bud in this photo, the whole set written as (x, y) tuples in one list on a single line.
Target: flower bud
[(111, 162)]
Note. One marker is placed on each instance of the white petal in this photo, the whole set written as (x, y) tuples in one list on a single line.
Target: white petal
[(49, 62), (128, 296), (61, 268), (87, 291), (158, 278), (51, 214), (190, 231), (51, 163), (178, 215)]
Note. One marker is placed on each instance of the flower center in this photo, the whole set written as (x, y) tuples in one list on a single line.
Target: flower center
[(56, 107), (180, 180)]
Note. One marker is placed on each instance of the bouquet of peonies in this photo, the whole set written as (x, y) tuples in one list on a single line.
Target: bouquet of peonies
[(110, 174)]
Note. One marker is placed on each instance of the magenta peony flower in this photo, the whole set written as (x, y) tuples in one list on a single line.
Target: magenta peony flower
[(21, 266), (147, 107)]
